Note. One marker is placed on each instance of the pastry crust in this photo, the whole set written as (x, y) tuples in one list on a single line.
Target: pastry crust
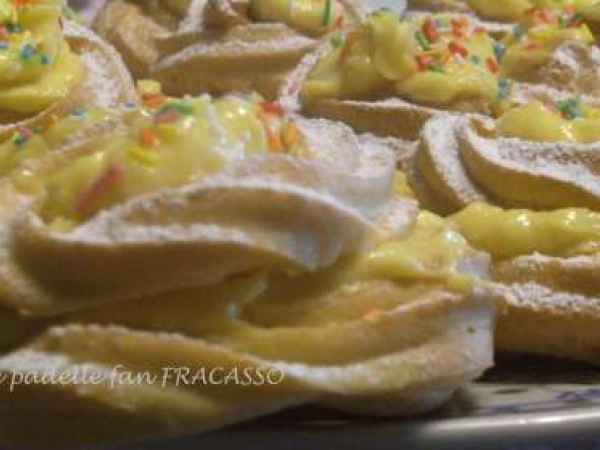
[(551, 306)]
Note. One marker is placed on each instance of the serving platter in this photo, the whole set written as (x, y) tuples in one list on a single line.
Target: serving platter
[(524, 403)]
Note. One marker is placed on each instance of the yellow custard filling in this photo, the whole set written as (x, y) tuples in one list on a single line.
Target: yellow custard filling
[(27, 143), (566, 121), (431, 252), (170, 142), (541, 32), (500, 10), (37, 67), (436, 60), (314, 17), (511, 233), (513, 10), (358, 287)]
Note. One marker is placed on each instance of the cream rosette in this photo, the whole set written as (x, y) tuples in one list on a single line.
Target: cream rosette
[(299, 261)]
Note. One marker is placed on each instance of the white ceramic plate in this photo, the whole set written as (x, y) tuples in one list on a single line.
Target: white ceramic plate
[(522, 404)]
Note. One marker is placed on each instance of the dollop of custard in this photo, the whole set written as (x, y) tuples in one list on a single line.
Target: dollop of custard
[(540, 32), (565, 121), (512, 233), (313, 17), (436, 60), (431, 253), (37, 67), (514, 10), (168, 142)]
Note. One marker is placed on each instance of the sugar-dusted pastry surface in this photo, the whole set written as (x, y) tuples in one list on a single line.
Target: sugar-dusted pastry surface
[(540, 155)]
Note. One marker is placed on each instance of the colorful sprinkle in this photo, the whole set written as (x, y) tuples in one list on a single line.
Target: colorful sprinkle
[(337, 41), (499, 50), (518, 32), (422, 40), (166, 116), (272, 108), (148, 138), (492, 65), (13, 28), (21, 136), (153, 100), (27, 52), (351, 40), (181, 107), (90, 199), (570, 109), (327, 12), (290, 135), (456, 49), (172, 111), (423, 61), (78, 112), (504, 88), (437, 68), (430, 30)]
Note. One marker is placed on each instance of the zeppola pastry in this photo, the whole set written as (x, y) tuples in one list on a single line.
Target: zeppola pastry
[(221, 233), (220, 45), (388, 76), (545, 271), (49, 66), (541, 160)]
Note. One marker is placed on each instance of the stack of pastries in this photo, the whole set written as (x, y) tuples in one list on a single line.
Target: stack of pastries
[(496, 104), (287, 203)]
